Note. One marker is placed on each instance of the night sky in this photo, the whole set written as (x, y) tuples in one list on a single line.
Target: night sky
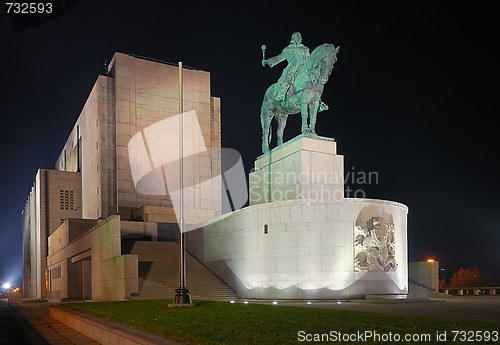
[(412, 98)]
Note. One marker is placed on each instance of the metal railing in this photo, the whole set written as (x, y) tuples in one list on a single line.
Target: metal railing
[(476, 290)]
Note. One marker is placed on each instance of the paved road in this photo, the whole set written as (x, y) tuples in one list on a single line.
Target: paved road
[(457, 307), (31, 324), (15, 330)]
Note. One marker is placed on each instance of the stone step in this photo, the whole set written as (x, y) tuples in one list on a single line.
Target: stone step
[(161, 279)]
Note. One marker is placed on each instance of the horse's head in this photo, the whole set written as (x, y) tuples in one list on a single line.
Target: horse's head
[(321, 61)]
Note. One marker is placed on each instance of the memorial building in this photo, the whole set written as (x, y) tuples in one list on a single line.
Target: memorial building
[(92, 185)]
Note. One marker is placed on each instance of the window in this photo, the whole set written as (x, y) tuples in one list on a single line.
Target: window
[(55, 273), (66, 199)]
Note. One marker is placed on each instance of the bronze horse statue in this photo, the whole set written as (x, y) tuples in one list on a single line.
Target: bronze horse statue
[(303, 96)]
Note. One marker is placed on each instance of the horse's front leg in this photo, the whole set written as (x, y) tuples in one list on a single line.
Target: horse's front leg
[(265, 119), (281, 128), (313, 112), (305, 114)]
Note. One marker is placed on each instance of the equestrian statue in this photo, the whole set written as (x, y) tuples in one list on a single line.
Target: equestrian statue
[(299, 88)]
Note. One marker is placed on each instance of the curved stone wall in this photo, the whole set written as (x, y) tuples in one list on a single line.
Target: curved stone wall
[(308, 250)]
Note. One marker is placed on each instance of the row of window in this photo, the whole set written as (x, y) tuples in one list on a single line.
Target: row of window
[(66, 199)]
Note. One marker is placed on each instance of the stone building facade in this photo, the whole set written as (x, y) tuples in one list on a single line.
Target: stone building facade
[(54, 197), (93, 175)]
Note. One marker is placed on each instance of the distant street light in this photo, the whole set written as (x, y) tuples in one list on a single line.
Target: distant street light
[(6, 286)]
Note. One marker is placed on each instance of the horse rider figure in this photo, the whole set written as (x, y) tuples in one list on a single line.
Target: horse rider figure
[(296, 55)]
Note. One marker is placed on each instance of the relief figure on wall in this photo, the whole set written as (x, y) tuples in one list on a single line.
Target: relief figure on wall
[(374, 244)]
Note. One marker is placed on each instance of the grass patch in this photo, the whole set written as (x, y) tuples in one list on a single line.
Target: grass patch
[(224, 323)]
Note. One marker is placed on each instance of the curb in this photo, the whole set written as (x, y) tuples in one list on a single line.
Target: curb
[(104, 331)]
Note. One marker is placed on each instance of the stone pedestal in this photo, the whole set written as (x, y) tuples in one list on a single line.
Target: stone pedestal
[(301, 169)]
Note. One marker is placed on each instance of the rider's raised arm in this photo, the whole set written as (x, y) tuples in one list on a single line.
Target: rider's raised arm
[(276, 59)]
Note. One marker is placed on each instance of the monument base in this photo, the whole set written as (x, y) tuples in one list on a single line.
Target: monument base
[(297, 249), (300, 238), (301, 169), (181, 305)]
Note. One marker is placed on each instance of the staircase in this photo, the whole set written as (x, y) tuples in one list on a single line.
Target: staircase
[(159, 274), (415, 288)]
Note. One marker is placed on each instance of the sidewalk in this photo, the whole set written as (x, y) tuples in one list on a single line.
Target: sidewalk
[(460, 307), (50, 331), (33, 325)]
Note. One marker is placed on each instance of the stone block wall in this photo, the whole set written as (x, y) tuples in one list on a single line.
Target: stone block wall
[(93, 260), (54, 197), (90, 149), (425, 274), (146, 93), (303, 168), (296, 249)]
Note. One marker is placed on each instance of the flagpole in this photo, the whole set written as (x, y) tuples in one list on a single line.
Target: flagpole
[(182, 293)]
